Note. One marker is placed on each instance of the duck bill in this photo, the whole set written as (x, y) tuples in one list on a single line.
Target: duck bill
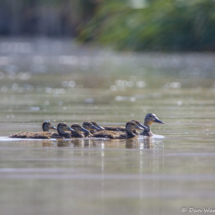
[(94, 127), (54, 128), (139, 128), (70, 129), (143, 126), (159, 121), (100, 127), (84, 130)]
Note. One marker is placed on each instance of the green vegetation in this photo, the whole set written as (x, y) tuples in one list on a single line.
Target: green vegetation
[(156, 25)]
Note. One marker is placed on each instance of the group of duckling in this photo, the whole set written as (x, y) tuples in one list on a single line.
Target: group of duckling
[(92, 129)]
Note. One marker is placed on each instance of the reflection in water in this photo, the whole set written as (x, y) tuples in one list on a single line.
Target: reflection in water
[(144, 143), (116, 177), (147, 143), (130, 143), (77, 142), (63, 143), (142, 164), (47, 143)]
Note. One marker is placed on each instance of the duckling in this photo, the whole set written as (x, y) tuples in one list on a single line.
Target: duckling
[(62, 127), (78, 131), (91, 127), (130, 127), (140, 125), (149, 119), (98, 126), (45, 134)]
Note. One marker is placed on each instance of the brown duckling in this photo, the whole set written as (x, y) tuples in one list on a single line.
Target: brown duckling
[(62, 127), (78, 129), (98, 126), (130, 127), (45, 134), (91, 127), (149, 119)]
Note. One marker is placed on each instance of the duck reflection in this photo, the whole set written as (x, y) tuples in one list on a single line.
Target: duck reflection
[(88, 143), (81, 143), (145, 143), (47, 143), (63, 143), (137, 144), (130, 144)]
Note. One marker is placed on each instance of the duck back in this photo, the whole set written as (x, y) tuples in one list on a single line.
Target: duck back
[(114, 128), (110, 134), (32, 135)]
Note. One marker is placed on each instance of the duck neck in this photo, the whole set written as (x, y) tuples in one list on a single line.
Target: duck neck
[(130, 134), (148, 125), (62, 133), (86, 134), (147, 132)]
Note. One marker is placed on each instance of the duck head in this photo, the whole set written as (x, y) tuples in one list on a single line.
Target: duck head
[(98, 126), (62, 127), (139, 124), (131, 126), (47, 125), (151, 118), (78, 128), (89, 126)]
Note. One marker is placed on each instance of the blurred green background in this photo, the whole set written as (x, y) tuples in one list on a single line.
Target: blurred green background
[(152, 25)]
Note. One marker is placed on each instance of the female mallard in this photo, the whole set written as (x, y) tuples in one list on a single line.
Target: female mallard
[(62, 127), (78, 129), (91, 127), (45, 134), (149, 119), (130, 128)]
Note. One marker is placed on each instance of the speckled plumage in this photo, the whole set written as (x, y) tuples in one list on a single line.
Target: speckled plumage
[(114, 128), (32, 135), (45, 134), (130, 128), (92, 127), (79, 131), (121, 128)]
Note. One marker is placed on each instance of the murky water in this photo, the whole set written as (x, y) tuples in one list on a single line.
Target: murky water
[(159, 175)]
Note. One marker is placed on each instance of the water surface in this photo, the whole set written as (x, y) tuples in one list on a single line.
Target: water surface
[(159, 175)]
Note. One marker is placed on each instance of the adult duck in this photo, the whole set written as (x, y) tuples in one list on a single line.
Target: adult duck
[(149, 120), (130, 127), (45, 134)]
